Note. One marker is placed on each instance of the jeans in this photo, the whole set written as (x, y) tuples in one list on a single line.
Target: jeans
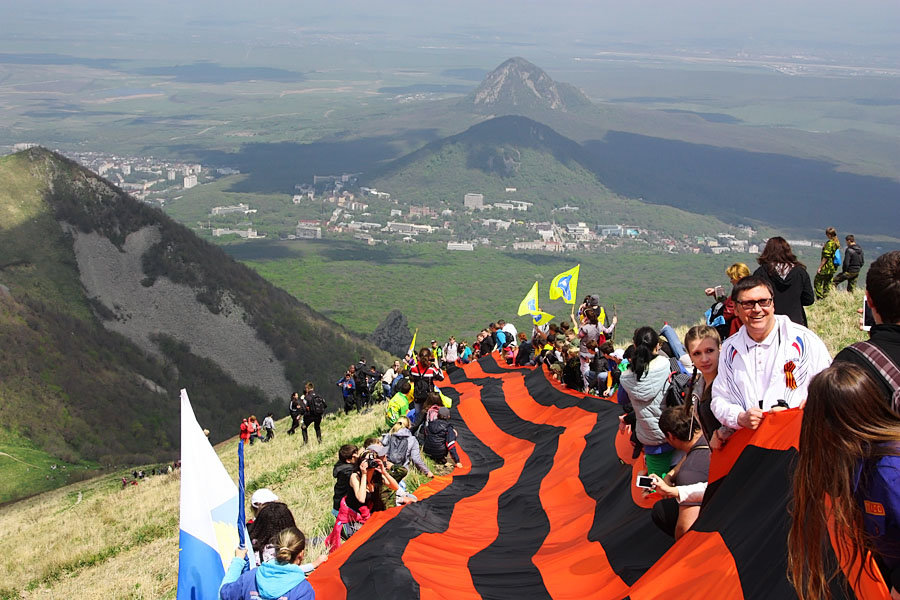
[(673, 340)]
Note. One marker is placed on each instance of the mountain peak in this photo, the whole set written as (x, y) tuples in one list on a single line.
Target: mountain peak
[(518, 85)]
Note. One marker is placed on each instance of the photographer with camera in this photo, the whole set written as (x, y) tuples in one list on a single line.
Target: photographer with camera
[(368, 477)]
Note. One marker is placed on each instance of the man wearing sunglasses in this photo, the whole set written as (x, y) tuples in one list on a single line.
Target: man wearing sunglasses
[(768, 364)]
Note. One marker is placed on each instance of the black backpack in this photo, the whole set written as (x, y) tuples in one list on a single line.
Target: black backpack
[(421, 388), (317, 404), (680, 387)]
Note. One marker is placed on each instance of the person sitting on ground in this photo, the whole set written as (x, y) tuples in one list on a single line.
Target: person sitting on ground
[(768, 364), (440, 441), (683, 433), (402, 448), (572, 377), (272, 518), (721, 315), (387, 380), (314, 408), (363, 498), (258, 499), (646, 381), (281, 578), (525, 351), (344, 466), (883, 294), (399, 403), (851, 265), (465, 352), (846, 483), (791, 288), (486, 346), (295, 408), (347, 386), (269, 426)]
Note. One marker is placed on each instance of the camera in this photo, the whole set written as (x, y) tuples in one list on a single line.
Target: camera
[(372, 463)]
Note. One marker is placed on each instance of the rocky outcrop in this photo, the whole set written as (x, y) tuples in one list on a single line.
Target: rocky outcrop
[(393, 334), (519, 85), (116, 280)]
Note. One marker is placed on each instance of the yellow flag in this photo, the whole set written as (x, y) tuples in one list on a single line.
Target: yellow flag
[(529, 305), (541, 318), (564, 285), (412, 344)]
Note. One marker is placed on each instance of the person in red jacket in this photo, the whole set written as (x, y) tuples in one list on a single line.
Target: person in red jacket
[(245, 431)]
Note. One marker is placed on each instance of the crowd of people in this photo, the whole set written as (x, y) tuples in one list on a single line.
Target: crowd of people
[(681, 401)]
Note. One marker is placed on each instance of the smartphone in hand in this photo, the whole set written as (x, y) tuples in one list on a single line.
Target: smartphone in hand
[(644, 481), (868, 318)]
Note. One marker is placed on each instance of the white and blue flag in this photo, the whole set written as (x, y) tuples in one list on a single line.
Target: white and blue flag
[(209, 513)]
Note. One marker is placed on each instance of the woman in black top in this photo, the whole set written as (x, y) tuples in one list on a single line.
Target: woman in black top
[(789, 279)]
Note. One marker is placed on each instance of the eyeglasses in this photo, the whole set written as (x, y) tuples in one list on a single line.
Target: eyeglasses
[(748, 304)]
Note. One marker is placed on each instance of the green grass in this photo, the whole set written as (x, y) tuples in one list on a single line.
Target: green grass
[(458, 293), (24, 467)]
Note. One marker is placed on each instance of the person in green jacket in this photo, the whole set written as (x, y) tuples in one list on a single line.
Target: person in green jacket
[(398, 406), (827, 268)]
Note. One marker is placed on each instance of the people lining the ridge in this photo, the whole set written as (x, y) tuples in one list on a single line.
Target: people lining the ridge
[(831, 260), (847, 478), (790, 283), (768, 364), (851, 264), (721, 314), (883, 295)]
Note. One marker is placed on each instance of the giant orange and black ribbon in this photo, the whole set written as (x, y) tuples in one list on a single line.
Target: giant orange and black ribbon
[(543, 508)]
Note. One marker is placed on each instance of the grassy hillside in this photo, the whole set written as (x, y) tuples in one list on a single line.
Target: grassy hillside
[(82, 395), (94, 539), (546, 169)]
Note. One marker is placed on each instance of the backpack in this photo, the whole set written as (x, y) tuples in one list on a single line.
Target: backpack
[(421, 388), (397, 448), (885, 367), (680, 387), (317, 404), (837, 257)]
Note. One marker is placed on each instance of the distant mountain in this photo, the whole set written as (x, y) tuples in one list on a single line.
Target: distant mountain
[(545, 168), (108, 308), (518, 87)]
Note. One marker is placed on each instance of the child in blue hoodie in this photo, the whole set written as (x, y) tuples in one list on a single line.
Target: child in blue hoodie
[(282, 578)]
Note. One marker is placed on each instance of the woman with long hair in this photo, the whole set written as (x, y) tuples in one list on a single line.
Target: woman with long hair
[(703, 344), (646, 382), (793, 290), (850, 453)]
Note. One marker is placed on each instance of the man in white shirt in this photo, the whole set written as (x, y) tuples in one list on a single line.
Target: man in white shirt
[(768, 364), (509, 329)]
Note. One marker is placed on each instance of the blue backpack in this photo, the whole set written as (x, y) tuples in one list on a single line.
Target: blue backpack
[(837, 257)]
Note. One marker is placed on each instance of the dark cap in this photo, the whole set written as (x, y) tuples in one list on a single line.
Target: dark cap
[(444, 412)]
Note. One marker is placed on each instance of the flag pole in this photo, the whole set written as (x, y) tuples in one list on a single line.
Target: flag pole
[(616, 316), (241, 520)]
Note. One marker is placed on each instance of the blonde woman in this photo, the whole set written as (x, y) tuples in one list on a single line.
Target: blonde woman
[(281, 578)]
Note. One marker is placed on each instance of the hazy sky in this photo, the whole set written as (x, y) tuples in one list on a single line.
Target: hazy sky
[(859, 28)]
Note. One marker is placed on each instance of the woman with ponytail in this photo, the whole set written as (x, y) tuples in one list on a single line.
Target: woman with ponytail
[(281, 578), (646, 382), (850, 453)]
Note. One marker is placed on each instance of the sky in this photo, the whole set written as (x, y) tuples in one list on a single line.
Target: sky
[(864, 29)]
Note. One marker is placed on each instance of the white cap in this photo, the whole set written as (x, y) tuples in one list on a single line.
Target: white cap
[(262, 496)]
